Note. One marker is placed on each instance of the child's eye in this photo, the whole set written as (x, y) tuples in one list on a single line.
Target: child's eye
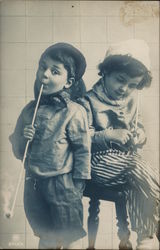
[(55, 72), (132, 86)]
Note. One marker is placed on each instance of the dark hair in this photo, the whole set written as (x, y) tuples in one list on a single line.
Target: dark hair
[(78, 88), (127, 64), (66, 59)]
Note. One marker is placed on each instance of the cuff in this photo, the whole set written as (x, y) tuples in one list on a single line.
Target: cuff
[(100, 138)]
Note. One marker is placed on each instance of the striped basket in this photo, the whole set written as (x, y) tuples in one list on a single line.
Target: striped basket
[(114, 167)]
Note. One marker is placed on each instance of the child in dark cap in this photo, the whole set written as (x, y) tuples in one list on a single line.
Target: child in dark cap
[(58, 158)]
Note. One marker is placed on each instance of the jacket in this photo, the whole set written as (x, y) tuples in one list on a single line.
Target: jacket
[(104, 113), (61, 143)]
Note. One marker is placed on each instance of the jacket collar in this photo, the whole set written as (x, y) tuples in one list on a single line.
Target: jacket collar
[(59, 99)]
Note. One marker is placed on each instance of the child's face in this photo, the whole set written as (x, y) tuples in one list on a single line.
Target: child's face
[(120, 85), (52, 75)]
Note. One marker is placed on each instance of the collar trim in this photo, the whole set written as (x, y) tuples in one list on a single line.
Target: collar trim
[(61, 98)]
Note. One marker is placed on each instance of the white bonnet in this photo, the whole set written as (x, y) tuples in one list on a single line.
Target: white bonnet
[(138, 49)]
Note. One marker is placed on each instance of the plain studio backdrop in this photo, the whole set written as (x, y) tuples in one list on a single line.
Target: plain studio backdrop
[(26, 29)]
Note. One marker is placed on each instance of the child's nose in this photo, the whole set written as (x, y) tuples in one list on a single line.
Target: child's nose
[(47, 73)]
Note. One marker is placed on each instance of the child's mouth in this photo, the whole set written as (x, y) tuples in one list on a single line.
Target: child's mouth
[(45, 86), (44, 83)]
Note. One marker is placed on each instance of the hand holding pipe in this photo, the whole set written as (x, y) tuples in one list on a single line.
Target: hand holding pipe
[(9, 214)]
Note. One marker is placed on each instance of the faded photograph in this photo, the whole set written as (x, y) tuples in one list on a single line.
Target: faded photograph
[(79, 125)]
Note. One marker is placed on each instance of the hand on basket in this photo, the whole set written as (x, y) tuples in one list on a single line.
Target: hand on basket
[(121, 136)]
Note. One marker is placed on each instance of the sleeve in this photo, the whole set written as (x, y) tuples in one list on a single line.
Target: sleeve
[(97, 137), (16, 138), (79, 137), (85, 103)]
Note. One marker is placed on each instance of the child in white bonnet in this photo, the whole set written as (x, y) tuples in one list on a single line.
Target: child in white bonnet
[(117, 133)]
